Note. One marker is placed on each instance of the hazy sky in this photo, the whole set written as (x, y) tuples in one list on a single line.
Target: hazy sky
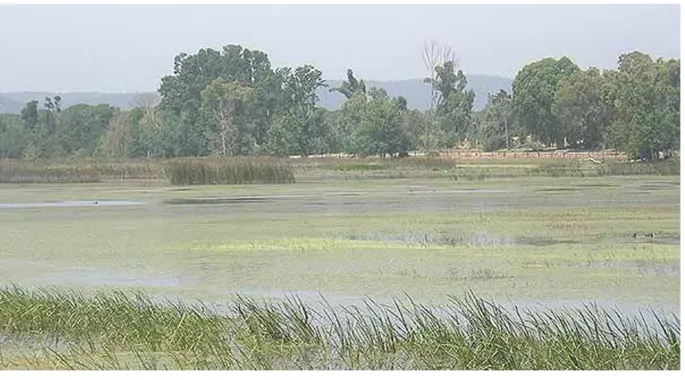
[(129, 48)]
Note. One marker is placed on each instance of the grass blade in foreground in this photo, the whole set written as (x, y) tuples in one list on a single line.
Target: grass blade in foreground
[(62, 329)]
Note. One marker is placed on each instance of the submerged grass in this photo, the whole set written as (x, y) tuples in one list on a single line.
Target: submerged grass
[(130, 331)]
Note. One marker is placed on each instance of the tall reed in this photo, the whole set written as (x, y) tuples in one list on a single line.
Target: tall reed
[(666, 167), (238, 170), (121, 330), (15, 171)]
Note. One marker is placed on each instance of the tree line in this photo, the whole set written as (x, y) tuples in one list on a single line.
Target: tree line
[(232, 102)]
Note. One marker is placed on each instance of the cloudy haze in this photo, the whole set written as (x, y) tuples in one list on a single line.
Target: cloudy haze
[(129, 48)]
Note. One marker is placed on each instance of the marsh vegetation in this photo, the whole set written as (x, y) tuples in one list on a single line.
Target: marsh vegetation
[(383, 271), (118, 330)]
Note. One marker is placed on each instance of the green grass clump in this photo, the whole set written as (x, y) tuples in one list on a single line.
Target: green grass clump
[(119, 331), (122, 319), (228, 171)]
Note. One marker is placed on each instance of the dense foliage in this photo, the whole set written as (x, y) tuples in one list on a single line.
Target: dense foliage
[(232, 102)]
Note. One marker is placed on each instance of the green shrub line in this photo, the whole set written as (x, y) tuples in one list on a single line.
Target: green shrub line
[(129, 330)]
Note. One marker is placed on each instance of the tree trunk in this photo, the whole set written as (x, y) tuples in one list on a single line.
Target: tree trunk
[(506, 132), (224, 147), (224, 124)]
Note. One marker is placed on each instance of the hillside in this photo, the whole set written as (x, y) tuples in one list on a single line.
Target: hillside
[(13, 102), (414, 90), (10, 105)]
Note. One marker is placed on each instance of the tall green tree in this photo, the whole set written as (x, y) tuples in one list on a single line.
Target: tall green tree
[(300, 128), (118, 140), (374, 124), (534, 91), (14, 136), (81, 127), (380, 131), (495, 122), (454, 105), (580, 109), (302, 132), (348, 122), (182, 93), (40, 125), (647, 102), (52, 108), (29, 115), (157, 131), (226, 103)]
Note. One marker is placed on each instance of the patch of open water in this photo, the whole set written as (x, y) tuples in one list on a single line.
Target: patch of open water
[(272, 198), (113, 278), (92, 203), (345, 307)]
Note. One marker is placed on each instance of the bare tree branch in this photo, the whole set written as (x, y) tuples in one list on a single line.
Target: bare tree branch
[(433, 55), (148, 102)]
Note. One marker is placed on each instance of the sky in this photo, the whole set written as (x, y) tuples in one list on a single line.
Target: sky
[(128, 48)]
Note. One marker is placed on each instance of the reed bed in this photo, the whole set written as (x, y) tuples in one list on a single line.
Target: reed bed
[(374, 163), (131, 331), (185, 171), (229, 171), (576, 168), (245, 170), (78, 171), (14, 171), (666, 167)]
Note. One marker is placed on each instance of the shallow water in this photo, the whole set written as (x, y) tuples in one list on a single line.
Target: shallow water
[(104, 277), (219, 299), (86, 247), (323, 197), (340, 304), (70, 204)]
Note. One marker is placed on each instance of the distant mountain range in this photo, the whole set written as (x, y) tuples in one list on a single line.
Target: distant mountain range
[(415, 91), (13, 102)]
